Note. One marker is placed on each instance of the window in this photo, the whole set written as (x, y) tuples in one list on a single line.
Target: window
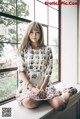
[(27, 7), (8, 6), (14, 18), (53, 17), (39, 7)]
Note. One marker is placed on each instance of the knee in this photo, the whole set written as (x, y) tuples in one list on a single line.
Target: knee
[(59, 105), (62, 107), (30, 104)]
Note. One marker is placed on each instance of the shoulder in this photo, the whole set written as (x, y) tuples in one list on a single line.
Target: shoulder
[(48, 48), (26, 50)]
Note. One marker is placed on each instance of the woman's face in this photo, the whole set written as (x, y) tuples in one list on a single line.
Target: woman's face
[(34, 36)]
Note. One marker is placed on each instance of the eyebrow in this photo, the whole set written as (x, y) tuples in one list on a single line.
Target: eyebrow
[(35, 30)]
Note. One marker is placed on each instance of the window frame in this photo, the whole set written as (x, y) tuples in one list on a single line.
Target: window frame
[(28, 21)]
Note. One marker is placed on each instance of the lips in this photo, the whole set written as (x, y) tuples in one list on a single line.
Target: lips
[(33, 38)]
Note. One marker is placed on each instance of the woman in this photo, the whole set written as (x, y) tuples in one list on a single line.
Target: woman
[(35, 67)]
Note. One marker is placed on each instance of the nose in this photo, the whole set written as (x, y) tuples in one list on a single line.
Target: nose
[(34, 34)]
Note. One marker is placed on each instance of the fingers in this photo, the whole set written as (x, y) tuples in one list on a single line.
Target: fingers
[(37, 92), (42, 94)]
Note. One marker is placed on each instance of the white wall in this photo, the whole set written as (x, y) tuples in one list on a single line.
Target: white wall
[(79, 43), (69, 44)]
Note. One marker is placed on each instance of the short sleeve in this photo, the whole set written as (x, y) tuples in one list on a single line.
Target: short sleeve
[(49, 67), (21, 62)]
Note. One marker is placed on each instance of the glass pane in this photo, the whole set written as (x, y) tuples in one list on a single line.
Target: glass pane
[(43, 0), (55, 53), (53, 17), (22, 28), (7, 55), (7, 30), (8, 85), (54, 76), (45, 35), (25, 9), (8, 6), (53, 36), (54, 5), (39, 7)]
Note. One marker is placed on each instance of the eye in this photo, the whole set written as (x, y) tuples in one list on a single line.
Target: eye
[(31, 32), (38, 32)]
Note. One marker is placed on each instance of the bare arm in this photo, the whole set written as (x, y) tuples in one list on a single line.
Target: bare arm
[(45, 82), (25, 79), (42, 93), (28, 83)]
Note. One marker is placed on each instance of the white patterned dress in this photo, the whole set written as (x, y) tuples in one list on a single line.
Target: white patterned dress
[(38, 64)]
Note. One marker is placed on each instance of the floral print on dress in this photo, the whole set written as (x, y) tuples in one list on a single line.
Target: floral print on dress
[(37, 63)]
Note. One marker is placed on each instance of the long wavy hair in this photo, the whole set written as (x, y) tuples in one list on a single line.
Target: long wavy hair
[(26, 42)]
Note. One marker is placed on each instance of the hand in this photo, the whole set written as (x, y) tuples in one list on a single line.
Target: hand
[(36, 91), (42, 93)]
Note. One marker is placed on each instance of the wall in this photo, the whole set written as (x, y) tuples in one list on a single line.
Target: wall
[(69, 44), (79, 43)]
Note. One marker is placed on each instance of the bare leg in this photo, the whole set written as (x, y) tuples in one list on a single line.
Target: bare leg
[(30, 103), (58, 103), (65, 96)]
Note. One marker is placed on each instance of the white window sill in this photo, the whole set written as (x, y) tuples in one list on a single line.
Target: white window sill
[(19, 112)]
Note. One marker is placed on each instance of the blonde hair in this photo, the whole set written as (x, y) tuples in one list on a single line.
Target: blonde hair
[(26, 42)]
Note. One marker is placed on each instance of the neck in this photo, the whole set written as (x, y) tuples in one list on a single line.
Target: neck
[(35, 46)]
